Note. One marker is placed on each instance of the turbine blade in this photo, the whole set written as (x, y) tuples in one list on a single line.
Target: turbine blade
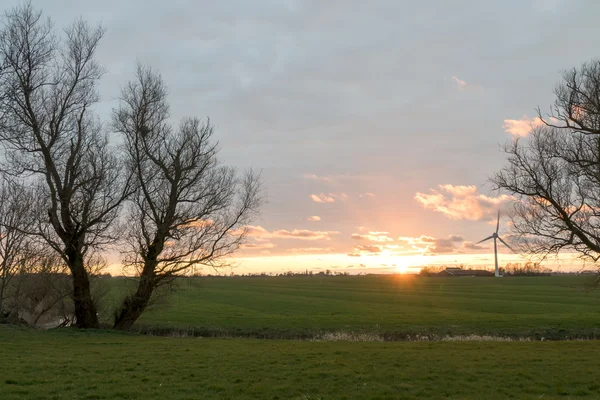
[(506, 244), (483, 240), (498, 222)]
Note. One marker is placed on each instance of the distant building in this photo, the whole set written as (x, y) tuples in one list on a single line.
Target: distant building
[(450, 272)]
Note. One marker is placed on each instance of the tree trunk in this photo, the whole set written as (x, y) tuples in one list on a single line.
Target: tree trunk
[(133, 306), (85, 310), (2, 285)]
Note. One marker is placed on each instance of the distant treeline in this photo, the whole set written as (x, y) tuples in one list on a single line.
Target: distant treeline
[(305, 273), (526, 269), (510, 269)]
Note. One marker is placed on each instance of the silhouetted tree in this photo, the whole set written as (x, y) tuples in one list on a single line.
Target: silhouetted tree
[(526, 269), (52, 136), (16, 219), (554, 173), (189, 209)]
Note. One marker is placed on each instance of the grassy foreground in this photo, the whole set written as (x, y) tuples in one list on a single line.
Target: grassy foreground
[(389, 306), (69, 364)]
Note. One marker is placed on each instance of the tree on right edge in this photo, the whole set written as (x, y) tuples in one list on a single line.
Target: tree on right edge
[(189, 210), (554, 173)]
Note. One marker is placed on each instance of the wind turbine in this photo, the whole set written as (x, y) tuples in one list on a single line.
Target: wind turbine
[(495, 236)]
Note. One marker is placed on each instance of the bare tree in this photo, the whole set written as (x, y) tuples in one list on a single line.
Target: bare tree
[(554, 173), (188, 210), (16, 218), (51, 135), (577, 104), (42, 290)]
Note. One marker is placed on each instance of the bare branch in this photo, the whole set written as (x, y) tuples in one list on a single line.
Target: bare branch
[(51, 137), (189, 209)]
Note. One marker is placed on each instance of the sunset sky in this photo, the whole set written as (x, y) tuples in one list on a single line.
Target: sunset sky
[(376, 125)]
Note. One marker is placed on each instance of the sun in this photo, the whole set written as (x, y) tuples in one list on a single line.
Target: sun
[(400, 264), (401, 269)]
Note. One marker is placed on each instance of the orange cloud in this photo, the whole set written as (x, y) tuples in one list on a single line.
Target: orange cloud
[(366, 195), (459, 82), (521, 127), (261, 234), (254, 231), (318, 178), (322, 198), (335, 179), (473, 246), (373, 237), (430, 245), (311, 250), (371, 249), (463, 202), (328, 198), (314, 218), (257, 246), (199, 223), (304, 234)]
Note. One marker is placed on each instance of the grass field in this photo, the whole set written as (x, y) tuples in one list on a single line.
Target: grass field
[(71, 364), (68, 364), (389, 306)]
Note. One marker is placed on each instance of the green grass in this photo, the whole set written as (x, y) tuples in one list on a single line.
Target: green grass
[(69, 364), (391, 306)]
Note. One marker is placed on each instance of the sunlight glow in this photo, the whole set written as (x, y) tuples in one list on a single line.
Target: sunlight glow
[(386, 262)]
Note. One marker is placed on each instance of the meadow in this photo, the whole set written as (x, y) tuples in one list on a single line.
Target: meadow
[(392, 307), (71, 364)]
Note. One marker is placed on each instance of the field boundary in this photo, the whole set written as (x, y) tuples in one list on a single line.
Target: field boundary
[(366, 336)]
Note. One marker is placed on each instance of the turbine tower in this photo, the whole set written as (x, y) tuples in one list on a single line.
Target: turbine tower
[(495, 236)]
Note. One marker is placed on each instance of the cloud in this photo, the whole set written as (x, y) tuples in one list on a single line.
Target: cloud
[(430, 245), (336, 179), (373, 237), (322, 198), (260, 233), (255, 231), (304, 234), (256, 246), (521, 127), (459, 82), (463, 202), (311, 250), (318, 178), (441, 246), (473, 246), (329, 197), (365, 195), (314, 218), (341, 196), (369, 248), (199, 223)]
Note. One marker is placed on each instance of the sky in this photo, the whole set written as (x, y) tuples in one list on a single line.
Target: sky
[(375, 125)]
